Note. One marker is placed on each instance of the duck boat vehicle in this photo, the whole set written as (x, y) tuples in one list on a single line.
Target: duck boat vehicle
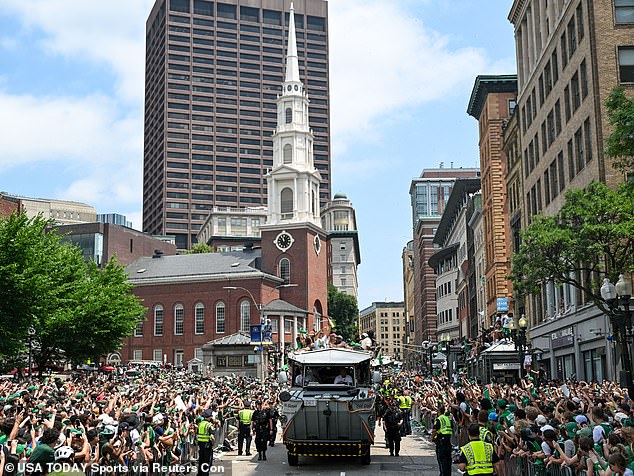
[(329, 408)]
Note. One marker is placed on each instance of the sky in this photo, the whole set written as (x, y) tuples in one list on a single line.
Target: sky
[(401, 73)]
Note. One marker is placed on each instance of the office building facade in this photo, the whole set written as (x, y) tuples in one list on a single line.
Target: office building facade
[(387, 321), (213, 75)]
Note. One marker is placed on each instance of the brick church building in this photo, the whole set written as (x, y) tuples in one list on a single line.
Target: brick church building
[(193, 300)]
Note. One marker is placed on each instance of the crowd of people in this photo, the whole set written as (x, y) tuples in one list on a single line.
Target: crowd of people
[(158, 422), (587, 427)]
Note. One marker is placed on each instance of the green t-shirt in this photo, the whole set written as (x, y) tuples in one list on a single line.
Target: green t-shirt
[(42, 454)]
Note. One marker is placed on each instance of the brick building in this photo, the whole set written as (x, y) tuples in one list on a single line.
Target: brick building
[(428, 194), (492, 102), (102, 241), (387, 321), (9, 204)]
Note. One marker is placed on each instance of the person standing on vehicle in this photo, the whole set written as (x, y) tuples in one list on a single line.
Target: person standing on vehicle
[(245, 416), (478, 458), (441, 433), (205, 444), (263, 429), (392, 421)]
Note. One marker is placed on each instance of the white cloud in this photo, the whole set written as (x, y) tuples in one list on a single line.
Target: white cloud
[(383, 60), (112, 32), (84, 135)]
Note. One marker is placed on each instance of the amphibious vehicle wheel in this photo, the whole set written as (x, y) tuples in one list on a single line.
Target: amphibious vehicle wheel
[(365, 457), (293, 460)]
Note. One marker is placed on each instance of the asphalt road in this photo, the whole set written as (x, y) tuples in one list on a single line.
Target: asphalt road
[(417, 457)]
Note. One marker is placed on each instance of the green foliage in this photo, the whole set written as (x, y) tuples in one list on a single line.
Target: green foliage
[(77, 310), (199, 248), (620, 143), (343, 311), (591, 236)]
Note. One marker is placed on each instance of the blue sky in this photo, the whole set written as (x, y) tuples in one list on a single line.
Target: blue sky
[(71, 105)]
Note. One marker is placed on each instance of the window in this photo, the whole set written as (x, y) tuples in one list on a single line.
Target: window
[(204, 7), (576, 92), (199, 313), (561, 170), (179, 6), (626, 64), (571, 161), (221, 361), (554, 185), (624, 11), (541, 90), (548, 79), (220, 317), (580, 26), (583, 72), (198, 353), (564, 51), (558, 118), (245, 316), (579, 149), (157, 355), (286, 202), (289, 115), (137, 354), (158, 320), (572, 37), (285, 270), (138, 330), (587, 134), (288, 154), (179, 318), (567, 103), (226, 11), (555, 66)]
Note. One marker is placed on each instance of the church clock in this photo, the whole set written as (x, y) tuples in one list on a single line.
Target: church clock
[(284, 241)]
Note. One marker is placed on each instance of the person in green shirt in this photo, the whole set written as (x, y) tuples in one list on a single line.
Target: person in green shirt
[(43, 454)]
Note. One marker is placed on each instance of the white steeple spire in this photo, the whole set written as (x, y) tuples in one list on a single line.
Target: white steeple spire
[(292, 63)]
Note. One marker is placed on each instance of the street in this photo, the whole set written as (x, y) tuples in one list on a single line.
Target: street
[(417, 456)]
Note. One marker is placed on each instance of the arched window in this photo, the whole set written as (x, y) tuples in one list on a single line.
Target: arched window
[(289, 115), (245, 315), (220, 317), (158, 320), (179, 319), (285, 270), (288, 154), (317, 318), (199, 316), (286, 202)]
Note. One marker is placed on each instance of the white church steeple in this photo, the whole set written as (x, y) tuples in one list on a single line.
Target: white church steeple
[(293, 183)]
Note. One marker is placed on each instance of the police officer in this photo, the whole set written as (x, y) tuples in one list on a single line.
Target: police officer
[(405, 406), (441, 435), (275, 415), (477, 457), (485, 434), (205, 445), (392, 421), (245, 416), (263, 428)]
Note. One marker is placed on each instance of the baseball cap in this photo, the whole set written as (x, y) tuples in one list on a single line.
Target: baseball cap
[(581, 419), (584, 432), (207, 413), (541, 420), (620, 416), (571, 428), (502, 403), (493, 416)]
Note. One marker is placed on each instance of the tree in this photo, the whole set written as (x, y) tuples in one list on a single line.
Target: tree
[(620, 142), (200, 248), (592, 237), (343, 311), (77, 310)]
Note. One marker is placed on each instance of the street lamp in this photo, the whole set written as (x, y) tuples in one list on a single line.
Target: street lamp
[(617, 298), (519, 339), (31, 334), (259, 307)]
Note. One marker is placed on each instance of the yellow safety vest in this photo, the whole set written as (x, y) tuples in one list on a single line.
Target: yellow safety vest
[(445, 425), (484, 432), (408, 402), (401, 402), (479, 457), (245, 416), (204, 434)]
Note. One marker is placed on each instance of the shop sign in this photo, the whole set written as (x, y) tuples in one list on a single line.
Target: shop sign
[(506, 366), (562, 338)]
